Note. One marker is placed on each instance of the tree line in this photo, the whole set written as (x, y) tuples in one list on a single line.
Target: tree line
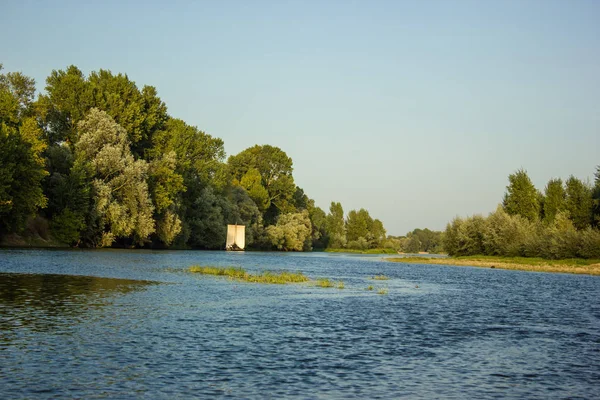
[(95, 161), (562, 222)]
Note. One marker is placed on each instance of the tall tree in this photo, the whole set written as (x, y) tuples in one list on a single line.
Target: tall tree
[(596, 199), (521, 196), (336, 228), (275, 168), (292, 232), (20, 180), (579, 202), (122, 206), (554, 199), (358, 224), (21, 147)]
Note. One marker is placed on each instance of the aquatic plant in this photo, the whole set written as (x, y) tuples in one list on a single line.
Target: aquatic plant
[(270, 277), (340, 285), (324, 283), (382, 291), (370, 287), (380, 278)]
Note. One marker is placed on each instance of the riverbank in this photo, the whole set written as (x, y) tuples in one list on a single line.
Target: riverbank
[(569, 266)]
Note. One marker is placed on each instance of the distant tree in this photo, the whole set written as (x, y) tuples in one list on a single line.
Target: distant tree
[(358, 224), (413, 244), (521, 196), (465, 237), (579, 202), (596, 199), (336, 229), (377, 234), (318, 219), (554, 199)]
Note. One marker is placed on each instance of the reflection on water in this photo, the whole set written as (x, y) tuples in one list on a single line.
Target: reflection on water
[(40, 302)]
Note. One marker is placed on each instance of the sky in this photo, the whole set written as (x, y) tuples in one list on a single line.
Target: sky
[(414, 110)]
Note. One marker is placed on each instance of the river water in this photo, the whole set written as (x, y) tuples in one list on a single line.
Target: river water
[(135, 324)]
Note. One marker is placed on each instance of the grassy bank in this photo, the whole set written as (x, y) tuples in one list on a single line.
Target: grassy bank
[(569, 266), (367, 251)]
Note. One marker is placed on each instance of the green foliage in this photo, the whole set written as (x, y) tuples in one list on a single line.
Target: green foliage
[(252, 182), (318, 219), (596, 199), (465, 236), (114, 168), (579, 202), (122, 203), (358, 244), (358, 224), (292, 232), (554, 199), (67, 226), (20, 180), (521, 196), (275, 169), (507, 235), (336, 227), (206, 221)]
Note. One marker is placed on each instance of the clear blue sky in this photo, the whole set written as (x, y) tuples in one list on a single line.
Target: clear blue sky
[(417, 111)]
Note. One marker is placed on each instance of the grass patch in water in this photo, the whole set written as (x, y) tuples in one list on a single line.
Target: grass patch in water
[(380, 278), (382, 291), (340, 285), (370, 287), (324, 283), (269, 277)]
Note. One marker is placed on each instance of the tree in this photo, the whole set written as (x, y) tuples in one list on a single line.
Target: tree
[(165, 185), (318, 219), (521, 197), (67, 100), (358, 224), (21, 149), (554, 199), (252, 182), (377, 234), (16, 97), (70, 96), (596, 199), (275, 169), (336, 229), (122, 206), (20, 180), (579, 202), (292, 232)]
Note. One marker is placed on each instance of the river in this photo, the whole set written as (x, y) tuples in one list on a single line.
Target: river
[(135, 324)]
